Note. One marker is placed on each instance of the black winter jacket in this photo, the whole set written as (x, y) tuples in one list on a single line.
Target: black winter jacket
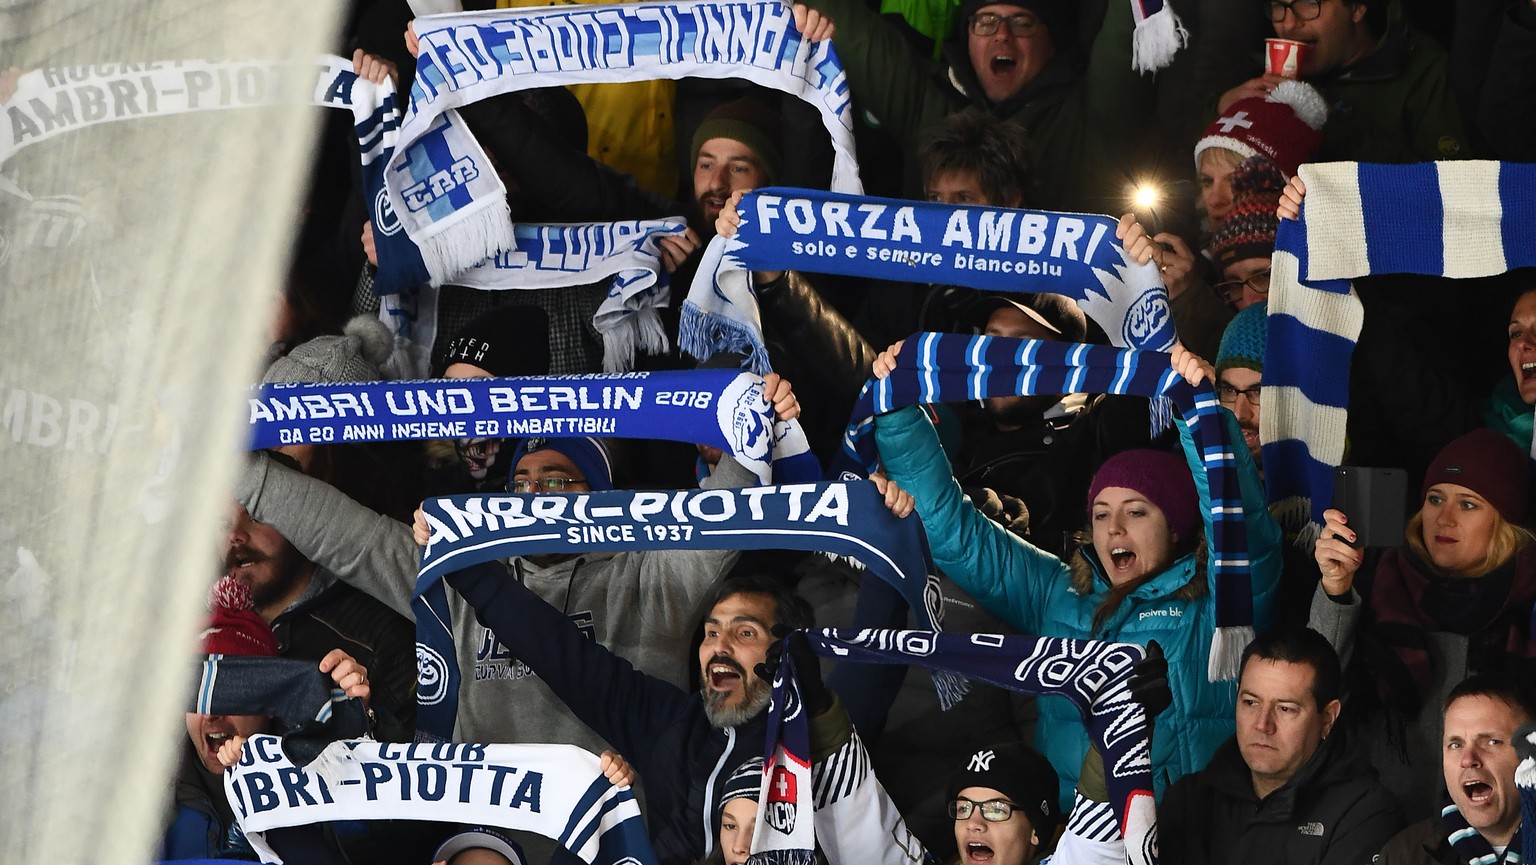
[(383, 641), (1333, 812), (683, 760)]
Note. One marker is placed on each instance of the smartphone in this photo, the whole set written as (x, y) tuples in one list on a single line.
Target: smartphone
[(1376, 502)]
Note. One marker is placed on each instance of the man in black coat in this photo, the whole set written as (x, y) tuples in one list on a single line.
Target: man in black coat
[(1283, 790)]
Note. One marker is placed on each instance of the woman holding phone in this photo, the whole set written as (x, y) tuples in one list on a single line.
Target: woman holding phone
[(1409, 623)]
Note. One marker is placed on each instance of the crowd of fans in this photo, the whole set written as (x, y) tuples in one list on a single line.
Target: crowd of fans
[(1376, 713)]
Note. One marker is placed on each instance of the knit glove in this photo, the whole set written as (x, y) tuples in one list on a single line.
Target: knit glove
[(813, 691)]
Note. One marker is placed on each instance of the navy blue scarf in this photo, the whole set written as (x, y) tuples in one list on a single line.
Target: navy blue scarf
[(723, 408), (307, 710), (844, 519), (934, 367)]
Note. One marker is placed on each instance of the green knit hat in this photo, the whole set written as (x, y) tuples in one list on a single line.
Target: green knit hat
[(750, 122), (1242, 344)]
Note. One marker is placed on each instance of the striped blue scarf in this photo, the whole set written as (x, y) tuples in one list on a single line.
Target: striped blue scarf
[(443, 186), (1470, 845), (990, 248), (934, 367), (1453, 219)]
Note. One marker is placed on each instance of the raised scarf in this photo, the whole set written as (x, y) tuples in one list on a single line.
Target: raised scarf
[(1093, 674), (625, 253), (557, 791), (447, 193), (843, 519), (306, 709), (723, 408), (1454, 219), (989, 248), (934, 367)]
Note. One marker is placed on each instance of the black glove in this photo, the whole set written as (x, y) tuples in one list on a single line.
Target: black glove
[(1009, 512), (1149, 681), (813, 691)]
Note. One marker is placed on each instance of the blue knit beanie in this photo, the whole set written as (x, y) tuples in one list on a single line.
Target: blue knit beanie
[(588, 454), (1242, 344)]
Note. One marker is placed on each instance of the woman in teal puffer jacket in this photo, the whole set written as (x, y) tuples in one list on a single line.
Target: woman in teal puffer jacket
[(1142, 578)]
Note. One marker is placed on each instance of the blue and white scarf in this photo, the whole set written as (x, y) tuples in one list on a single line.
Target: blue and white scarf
[(1454, 219), (935, 367), (447, 193), (376, 122), (1159, 35), (723, 408), (560, 256), (306, 708), (785, 833), (557, 791), (1094, 675), (845, 519), (990, 248)]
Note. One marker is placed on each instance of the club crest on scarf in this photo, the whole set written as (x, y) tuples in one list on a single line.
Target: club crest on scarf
[(989, 248), (742, 411), (431, 676)]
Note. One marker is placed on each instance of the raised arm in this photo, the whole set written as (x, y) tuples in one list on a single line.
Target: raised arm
[(1007, 575), (365, 548)]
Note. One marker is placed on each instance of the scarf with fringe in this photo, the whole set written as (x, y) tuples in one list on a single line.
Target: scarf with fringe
[(935, 367)]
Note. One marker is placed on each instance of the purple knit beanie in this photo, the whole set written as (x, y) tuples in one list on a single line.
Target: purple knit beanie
[(1162, 478), (1487, 463)]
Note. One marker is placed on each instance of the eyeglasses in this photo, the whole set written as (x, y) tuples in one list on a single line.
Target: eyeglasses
[(548, 484), (1229, 394), (1231, 290), (1019, 24), (992, 810), (1304, 10)]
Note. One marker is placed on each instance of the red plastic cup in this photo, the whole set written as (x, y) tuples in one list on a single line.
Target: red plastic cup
[(1284, 57)]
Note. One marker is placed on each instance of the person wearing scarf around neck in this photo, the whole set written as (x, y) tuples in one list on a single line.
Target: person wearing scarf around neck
[(1410, 622), (1479, 752), (1143, 577)]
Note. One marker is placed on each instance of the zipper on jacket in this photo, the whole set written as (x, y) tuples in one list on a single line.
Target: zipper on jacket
[(709, 790)]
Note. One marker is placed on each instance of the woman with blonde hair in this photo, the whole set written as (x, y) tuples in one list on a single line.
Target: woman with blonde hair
[(1410, 623)]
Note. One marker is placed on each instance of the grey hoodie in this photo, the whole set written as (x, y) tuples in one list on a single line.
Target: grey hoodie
[(639, 604)]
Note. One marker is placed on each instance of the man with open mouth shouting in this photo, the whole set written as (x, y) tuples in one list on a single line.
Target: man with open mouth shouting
[(1478, 757), (1021, 61)]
